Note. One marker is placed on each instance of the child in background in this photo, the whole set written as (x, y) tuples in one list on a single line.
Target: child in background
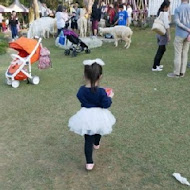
[(94, 119), (123, 17), (4, 26), (74, 24)]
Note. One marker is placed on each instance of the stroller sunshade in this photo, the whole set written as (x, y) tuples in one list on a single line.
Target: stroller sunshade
[(25, 46)]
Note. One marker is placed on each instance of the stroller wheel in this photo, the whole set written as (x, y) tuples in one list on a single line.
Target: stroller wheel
[(74, 54), (9, 82), (67, 52), (35, 80), (87, 51), (15, 83)]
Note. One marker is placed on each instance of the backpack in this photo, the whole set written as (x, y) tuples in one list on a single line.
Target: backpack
[(44, 60)]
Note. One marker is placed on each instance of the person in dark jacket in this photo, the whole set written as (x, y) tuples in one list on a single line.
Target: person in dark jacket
[(13, 25), (95, 17)]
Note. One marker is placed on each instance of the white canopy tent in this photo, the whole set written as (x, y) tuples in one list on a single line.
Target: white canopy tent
[(18, 7), (4, 9), (154, 5)]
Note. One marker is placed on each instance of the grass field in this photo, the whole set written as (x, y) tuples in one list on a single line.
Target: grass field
[(3, 44), (149, 142)]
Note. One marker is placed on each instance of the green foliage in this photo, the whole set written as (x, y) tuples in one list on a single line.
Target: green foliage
[(3, 44), (6, 2)]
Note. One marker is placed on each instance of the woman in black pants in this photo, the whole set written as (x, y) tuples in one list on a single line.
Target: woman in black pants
[(162, 39)]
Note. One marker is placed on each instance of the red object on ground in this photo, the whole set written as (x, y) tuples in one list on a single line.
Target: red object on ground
[(108, 91)]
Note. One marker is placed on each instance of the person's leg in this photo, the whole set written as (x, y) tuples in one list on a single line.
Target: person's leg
[(58, 31), (184, 57), (97, 139), (95, 27), (88, 148), (178, 46), (16, 31), (158, 56), (13, 32)]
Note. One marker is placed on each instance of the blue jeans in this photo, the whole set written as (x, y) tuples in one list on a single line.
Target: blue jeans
[(14, 31)]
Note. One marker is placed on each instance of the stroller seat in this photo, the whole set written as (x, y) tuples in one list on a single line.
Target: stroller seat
[(77, 44)]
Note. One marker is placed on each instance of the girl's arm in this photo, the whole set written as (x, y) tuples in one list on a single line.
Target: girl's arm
[(105, 101)]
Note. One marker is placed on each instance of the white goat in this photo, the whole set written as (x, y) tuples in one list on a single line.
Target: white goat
[(118, 32), (42, 27)]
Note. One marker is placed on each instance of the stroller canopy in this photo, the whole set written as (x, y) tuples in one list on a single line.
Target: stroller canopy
[(25, 46)]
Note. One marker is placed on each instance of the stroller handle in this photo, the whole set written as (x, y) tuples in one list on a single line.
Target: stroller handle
[(34, 50)]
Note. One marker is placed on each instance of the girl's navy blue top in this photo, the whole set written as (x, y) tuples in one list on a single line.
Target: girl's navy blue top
[(91, 99)]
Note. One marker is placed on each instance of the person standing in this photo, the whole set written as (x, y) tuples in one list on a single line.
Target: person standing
[(74, 24), (111, 15), (13, 25), (123, 17), (95, 17), (61, 17), (162, 39), (129, 12), (103, 10), (181, 45)]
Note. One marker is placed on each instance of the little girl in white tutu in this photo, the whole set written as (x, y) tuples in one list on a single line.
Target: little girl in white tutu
[(93, 120)]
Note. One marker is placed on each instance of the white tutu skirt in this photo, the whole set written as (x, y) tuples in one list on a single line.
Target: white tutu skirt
[(92, 121)]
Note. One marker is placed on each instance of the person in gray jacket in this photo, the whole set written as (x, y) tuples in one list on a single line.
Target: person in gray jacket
[(181, 45)]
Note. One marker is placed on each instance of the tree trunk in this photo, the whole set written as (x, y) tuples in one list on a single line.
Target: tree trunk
[(33, 11), (89, 4), (36, 9), (31, 15)]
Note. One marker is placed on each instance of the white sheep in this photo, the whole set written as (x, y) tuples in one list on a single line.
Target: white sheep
[(118, 32), (42, 27)]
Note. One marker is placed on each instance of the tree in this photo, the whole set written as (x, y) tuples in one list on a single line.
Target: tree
[(33, 11), (6, 2)]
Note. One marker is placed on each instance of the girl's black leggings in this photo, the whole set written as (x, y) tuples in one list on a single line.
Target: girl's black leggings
[(90, 140), (159, 55)]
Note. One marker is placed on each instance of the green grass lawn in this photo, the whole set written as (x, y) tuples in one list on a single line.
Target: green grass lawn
[(150, 140)]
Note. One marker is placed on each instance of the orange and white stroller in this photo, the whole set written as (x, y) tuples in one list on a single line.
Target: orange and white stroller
[(20, 67)]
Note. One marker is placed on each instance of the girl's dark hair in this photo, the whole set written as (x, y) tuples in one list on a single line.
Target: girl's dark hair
[(59, 8), (93, 73), (166, 3)]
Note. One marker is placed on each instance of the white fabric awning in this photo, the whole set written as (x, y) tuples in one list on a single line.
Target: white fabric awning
[(18, 7), (4, 9)]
